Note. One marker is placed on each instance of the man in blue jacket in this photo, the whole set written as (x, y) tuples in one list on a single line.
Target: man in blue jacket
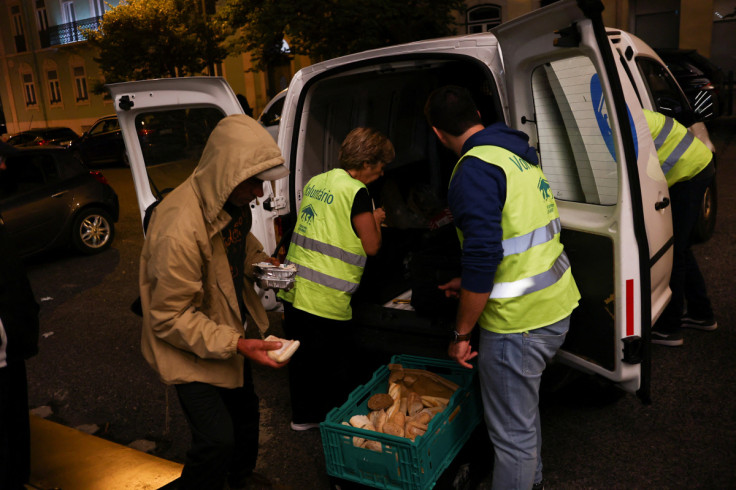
[(516, 279)]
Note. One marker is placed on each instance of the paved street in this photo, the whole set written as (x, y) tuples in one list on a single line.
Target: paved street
[(90, 372)]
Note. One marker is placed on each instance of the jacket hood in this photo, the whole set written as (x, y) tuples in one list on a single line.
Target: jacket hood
[(237, 149), (499, 134)]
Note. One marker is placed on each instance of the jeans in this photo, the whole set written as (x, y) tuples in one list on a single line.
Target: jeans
[(510, 369), (686, 283), (224, 424)]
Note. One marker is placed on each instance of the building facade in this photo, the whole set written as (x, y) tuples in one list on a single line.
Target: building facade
[(48, 69)]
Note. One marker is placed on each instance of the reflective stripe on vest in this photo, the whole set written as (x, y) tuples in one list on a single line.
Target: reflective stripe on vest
[(523, 243), (325, 280), (329, 250), (681, 155), (534, 283)]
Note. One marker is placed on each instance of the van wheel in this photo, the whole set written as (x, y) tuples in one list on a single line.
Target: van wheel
[(93, 231), (706, 222)]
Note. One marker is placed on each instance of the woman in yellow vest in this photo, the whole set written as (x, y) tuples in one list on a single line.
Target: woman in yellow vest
[(688, 167), (336, 229)]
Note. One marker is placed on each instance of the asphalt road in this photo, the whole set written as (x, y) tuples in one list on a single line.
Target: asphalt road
[(90, 373)]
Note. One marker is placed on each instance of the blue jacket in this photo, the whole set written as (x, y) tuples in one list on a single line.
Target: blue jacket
[(476, 197)]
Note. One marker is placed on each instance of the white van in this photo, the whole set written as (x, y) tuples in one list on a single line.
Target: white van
[(555, 74)]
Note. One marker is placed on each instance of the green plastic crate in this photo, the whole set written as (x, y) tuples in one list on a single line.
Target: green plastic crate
[(402, 464)]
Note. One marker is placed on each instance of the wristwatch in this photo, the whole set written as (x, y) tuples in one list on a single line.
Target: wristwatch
[(460, 337)]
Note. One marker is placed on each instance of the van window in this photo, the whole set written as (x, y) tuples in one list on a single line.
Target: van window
[(172, 142), (664, 91), (575, 139)]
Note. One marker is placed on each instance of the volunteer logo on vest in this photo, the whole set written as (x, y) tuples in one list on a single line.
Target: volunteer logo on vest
[(308, 214), (544, 188)]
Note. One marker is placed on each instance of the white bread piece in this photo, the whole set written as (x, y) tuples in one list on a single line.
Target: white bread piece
[(288, 347)]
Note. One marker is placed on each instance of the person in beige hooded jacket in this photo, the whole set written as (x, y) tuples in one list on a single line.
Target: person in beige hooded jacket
[(196, 284)]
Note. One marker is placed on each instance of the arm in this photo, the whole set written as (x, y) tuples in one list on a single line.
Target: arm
[(476, 197), (172, 292), (368, 228)]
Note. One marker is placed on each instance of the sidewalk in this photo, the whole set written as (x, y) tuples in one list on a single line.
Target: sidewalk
[(66, 458)]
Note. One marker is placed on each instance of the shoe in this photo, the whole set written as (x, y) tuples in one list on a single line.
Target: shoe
[(708, 324), (670, 339), (301, 427), (538, 486)]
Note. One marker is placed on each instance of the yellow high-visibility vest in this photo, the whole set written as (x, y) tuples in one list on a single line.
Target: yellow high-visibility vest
[(533, 286), (326, 250), (681, 155)]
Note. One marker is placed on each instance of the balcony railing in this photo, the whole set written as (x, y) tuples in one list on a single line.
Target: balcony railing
[(70, 33)]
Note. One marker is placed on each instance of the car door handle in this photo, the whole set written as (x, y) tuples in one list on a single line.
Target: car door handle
[(662, 204), (59, 194)]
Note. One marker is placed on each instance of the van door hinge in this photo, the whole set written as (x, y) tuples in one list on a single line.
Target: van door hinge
[(632, 349), (274, 203), (569, 37), (125, 103)]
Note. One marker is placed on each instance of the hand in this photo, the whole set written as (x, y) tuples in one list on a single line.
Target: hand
[(452, 288), (273, 261), (462, 352), (379, 214), (257, 350)]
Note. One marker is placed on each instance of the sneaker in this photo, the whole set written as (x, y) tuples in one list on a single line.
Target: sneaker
[(670, 339), (301, 427), (708, 324), (538, 486)]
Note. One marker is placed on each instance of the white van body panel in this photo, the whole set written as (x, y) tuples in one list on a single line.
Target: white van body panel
[(573, 78), (607, 184)]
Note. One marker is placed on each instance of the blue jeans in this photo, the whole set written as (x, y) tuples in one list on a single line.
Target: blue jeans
[(510, 369)]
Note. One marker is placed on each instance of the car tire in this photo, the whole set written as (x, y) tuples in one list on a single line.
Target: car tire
[(706, 222), (93, 231)]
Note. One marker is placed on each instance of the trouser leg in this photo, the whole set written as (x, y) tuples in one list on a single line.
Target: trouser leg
[(682, 226), (242, 404), (694, 289), (319, 373), (15, 431), (210, 455), (510, 368)]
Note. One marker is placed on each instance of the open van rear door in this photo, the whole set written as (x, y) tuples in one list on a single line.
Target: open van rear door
[(165, 125), (565, 91)]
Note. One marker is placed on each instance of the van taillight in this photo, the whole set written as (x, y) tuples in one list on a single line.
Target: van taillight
[(98, 176)]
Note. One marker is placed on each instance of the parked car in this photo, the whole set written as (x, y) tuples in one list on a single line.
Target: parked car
[(48, 199), (101, 144), (700, 79), (554, 74), (44, 136), (271, 115)]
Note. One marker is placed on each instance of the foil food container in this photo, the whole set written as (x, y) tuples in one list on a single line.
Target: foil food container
[(270, 276)]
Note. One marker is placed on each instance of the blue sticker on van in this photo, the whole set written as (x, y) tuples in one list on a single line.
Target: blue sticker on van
[(601, 115)]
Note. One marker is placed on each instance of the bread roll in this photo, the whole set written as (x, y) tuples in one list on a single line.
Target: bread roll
[(288, 347)]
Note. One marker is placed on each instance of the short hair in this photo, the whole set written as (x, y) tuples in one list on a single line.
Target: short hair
[(451, 109), (365, 145)]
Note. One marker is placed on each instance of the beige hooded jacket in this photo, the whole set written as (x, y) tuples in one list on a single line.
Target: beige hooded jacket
[(191, 320)]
